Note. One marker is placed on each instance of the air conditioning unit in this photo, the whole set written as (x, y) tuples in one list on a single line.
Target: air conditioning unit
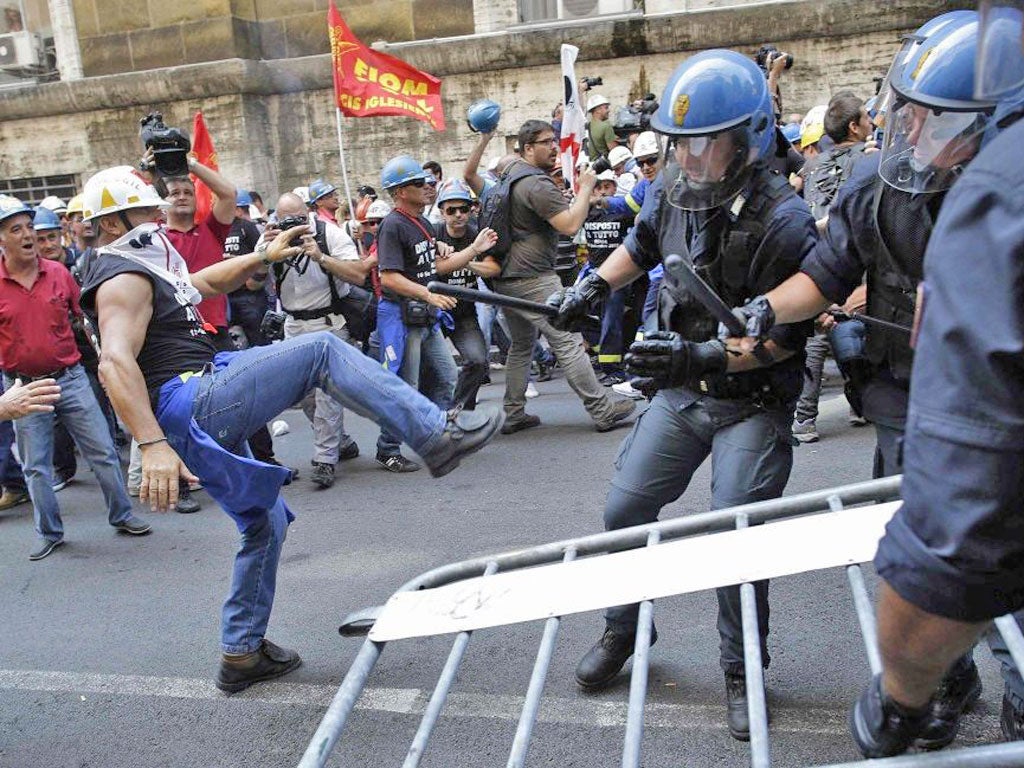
[(581, 9), (20, 50)]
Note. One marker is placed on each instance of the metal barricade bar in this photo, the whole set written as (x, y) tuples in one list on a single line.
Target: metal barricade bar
[(753, 672), (631, 746)]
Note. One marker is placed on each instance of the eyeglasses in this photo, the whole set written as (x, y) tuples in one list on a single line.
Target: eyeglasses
[(451, 210), (652, 161), (550, 142)]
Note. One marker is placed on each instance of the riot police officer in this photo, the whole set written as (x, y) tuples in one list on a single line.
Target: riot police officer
[(745, 231), (881, 222)]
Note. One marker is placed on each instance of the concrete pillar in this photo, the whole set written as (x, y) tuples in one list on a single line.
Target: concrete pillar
[(494, 15), (65, 39)]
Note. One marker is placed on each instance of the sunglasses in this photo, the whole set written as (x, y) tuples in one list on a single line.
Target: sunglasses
[(415, 183), (371, 223), (652, 161), (453, 209)]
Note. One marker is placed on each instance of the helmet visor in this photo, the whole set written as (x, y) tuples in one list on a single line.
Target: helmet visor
[(712, 169), (999, 71), (924, 150)]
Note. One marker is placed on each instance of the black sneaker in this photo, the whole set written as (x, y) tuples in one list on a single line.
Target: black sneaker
[(323, 474), (1011, 721), (45, 550), (133, 526), (957, 692), (526, 422), (350, 451), (604, 661), (397, 463), (186, 504), (880, 726), (465, 432), (239, 672)]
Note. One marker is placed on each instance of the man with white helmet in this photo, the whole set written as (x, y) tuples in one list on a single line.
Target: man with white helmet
[(192, 413), (621, 160), (37, 342), (599, 129)]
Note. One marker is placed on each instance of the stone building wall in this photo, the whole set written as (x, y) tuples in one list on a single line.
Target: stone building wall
[(273, 122)]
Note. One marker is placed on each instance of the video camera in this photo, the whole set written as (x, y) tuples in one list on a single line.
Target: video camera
[(170, 146), (635, 118), (767, 54)]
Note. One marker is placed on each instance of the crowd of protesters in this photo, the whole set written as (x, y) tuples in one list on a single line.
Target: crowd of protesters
[(342, 286)]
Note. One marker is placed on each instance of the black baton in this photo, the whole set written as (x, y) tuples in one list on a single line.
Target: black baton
[(841, 317), (500, 300)]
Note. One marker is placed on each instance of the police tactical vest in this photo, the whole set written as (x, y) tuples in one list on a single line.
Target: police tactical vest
[(893, 277)]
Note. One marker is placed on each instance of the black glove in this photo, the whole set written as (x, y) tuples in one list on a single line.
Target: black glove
[(575, 303), (757, 317), (671, 361)]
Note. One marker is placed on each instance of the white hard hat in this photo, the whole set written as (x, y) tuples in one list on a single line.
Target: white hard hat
[(118, 189), (595, 101), (608, 175), (619, 155), (378, 209), (646, 144), (55, 204), (302, 192)]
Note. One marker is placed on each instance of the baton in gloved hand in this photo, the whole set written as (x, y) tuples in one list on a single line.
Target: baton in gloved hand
[(501, 300), (841, 316), (684, 273)]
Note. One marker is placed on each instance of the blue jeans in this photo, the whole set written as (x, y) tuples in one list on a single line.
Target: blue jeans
[(611, 345), (427, 366), (256, 386), (81, 415)]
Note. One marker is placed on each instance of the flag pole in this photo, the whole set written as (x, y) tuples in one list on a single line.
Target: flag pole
[(344, 167)]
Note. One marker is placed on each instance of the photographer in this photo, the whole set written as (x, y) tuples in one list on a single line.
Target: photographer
[(772, 62), (602, 138), (311, 288)]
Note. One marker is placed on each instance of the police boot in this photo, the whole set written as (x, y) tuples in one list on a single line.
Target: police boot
[(1011, 722), (880, 726), (959, 689), (736, 713), (604, 661)]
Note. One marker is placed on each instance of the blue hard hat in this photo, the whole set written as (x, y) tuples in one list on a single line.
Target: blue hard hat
[(402, 170), (456, 189), (712, 97), (45, 219), (12, 206), (319, 188), (243, 199), (483, 115), (935, 125), (792, 132)]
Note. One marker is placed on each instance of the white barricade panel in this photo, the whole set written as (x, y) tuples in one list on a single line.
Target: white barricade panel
[(826, 540)]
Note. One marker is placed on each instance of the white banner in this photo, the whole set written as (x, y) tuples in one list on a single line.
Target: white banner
[(574, 121)]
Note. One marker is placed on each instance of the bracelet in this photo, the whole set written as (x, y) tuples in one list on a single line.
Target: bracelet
[(152, 442)]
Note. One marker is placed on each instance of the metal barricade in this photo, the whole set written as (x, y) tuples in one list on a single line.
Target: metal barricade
[(835, 500)]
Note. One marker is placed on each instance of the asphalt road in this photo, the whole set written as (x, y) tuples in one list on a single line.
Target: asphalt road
[(108, 647)]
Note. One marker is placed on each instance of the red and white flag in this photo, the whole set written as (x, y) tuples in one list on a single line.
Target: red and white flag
[(574, 121)]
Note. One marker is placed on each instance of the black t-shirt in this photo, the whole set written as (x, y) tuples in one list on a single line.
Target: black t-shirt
[(403, 246), (464, 277), (241, 240), (175, 339), (605, 232)]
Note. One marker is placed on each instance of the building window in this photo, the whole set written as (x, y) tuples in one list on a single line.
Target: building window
[(32, 191), (566, 10)]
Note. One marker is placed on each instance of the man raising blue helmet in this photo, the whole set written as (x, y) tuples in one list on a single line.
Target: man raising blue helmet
[(744, 230)]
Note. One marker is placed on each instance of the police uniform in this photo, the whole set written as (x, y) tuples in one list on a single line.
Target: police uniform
[(884, 231), (743, 420)]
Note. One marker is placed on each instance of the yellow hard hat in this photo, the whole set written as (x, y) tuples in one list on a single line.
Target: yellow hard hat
[(75, 205)]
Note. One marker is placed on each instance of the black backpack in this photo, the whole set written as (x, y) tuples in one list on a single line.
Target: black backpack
[(496, 205), (827, 176)]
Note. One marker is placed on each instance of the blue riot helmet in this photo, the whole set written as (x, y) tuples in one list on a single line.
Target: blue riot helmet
[(402, 170), (483, 115), (718, 114), (45, 219), (999, 73), (935, 126)]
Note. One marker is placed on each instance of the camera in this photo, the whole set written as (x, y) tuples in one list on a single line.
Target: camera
[(170, 146), (600, 165), (272, 325), (593, 82), (293, 221), (767, 54), (636, 117)]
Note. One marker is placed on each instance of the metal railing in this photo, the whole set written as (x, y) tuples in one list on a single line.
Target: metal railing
[(333, 723)]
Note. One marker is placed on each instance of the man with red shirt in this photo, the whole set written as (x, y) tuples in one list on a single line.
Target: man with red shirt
[(37, 297)]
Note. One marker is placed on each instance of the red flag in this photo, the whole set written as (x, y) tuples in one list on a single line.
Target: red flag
[(367, 82), (202, 148)]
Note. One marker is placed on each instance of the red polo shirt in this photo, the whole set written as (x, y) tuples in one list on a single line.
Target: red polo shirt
[(35, 332), (202, 246)]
